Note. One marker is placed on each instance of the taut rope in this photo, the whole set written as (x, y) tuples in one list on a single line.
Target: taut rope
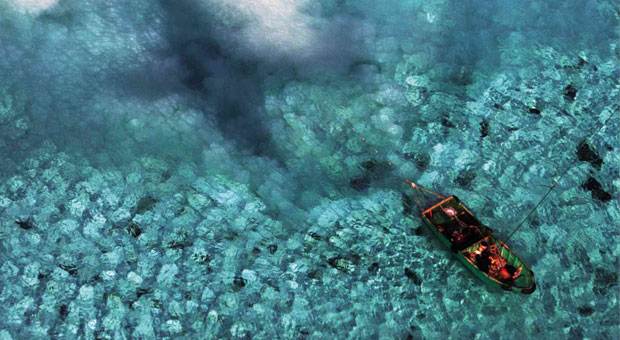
[(555, 182)]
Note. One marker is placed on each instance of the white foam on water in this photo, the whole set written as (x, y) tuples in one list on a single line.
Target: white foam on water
[(32, 6)]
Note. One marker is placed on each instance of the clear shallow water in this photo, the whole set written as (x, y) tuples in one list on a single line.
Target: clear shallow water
[(190, 170)]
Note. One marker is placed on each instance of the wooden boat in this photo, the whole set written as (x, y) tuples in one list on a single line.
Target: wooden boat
[(474, 245), (472, 242)]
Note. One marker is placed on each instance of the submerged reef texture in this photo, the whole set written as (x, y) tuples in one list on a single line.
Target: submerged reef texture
[(195, 169)]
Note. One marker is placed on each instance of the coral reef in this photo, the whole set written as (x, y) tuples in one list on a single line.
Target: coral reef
[(163, 177)]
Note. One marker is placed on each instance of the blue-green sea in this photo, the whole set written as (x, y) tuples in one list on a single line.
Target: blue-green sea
[(219, 169)]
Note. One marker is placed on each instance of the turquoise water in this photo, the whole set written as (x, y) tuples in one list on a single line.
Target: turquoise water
[(196, 169)]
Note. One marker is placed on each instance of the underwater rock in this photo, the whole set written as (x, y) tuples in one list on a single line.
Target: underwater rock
[(134, 230), (586, 310), (173, 326), (167, 274), (16, 186), (241, 330), (120, 215), (597, 191), (198, 201), (145, 204), (68, 226), (484, 129), (76, 206), (71, 269), (207, 295), (14, 123), (240, 282), (407, 203), (413, 276), (603, 280), (340, 263), (447, 123), (25, 224), (372, 169), (586, 154), (417, 95), (315, 236), (575, 333), (374, 267), (63, 311), (5, 335), (272, 248), (355, 258), (570, 92), (465, 159), (135, 278), (421, 160), (390, 96), (201, 257), (178, 240), (86, 293), (369, 165), (361, 183), (534, 110), (249, 276), (465, 177)]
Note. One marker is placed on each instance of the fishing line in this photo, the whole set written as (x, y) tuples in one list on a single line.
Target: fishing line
[(555, 182)]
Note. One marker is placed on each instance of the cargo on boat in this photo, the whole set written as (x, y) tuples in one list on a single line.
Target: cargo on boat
[(474, 245)]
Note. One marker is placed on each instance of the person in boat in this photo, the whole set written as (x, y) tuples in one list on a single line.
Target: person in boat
[(458, 231), (497, 261), (451, 231), (482, 257), (509, 273)]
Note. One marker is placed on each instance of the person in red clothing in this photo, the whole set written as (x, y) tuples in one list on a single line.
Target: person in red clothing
[(509, 273), (481, 257), (504, 273)]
